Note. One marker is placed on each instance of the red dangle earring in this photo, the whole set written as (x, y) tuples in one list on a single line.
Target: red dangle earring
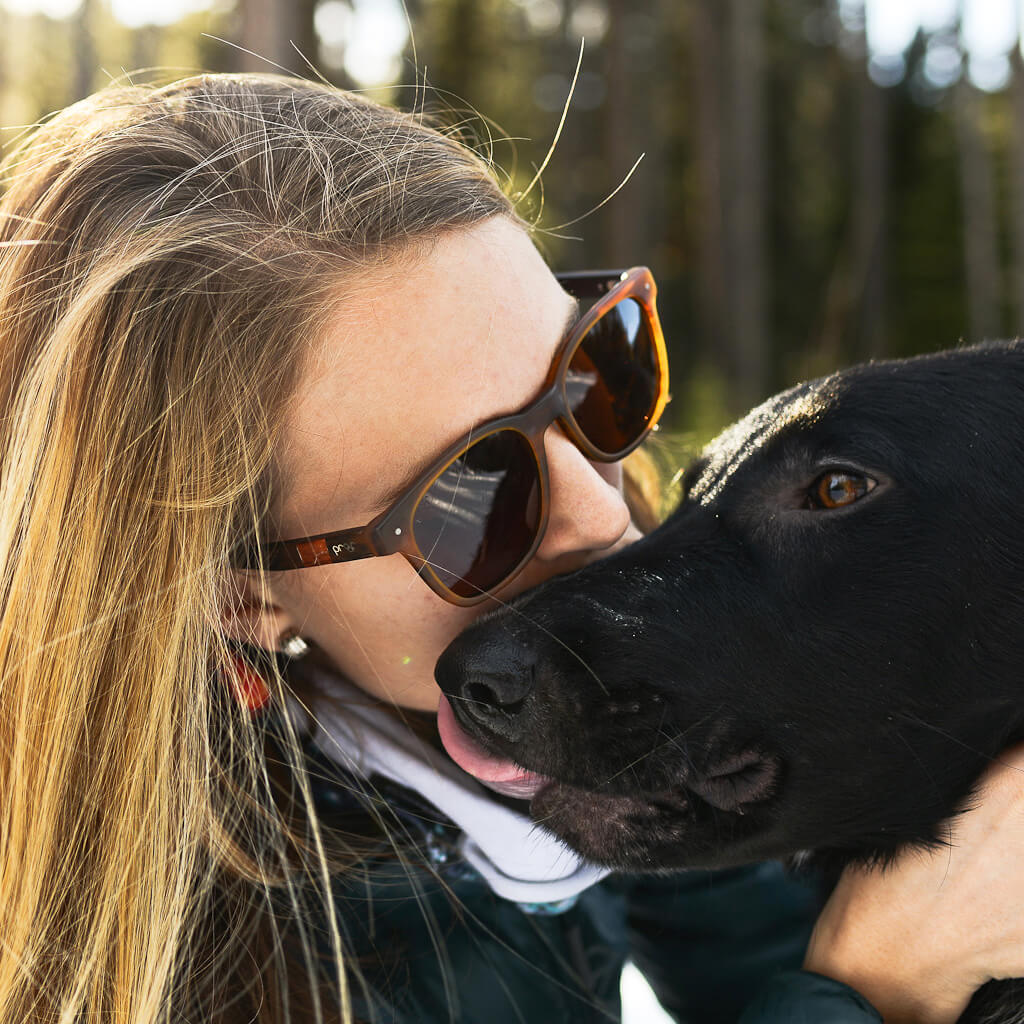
[(247, 686)]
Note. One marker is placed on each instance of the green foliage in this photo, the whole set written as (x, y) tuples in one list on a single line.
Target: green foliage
[(663, 78)]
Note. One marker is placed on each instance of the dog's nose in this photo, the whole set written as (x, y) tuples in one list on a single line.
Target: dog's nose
[(488, 681)]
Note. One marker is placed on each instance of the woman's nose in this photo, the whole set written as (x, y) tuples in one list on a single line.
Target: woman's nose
[(587, 511)]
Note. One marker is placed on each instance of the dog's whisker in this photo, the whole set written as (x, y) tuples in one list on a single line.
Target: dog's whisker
[(643, 757), (561, 643), (915, 720), (916, 757), (673, 740), (468, 700)]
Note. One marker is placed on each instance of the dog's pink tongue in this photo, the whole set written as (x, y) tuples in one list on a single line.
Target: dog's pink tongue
[(499, 774)]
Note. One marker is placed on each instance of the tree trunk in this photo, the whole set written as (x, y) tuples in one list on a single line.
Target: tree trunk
[(268, 30), (146, 46), (85, 50), (744, 208), (981, 263), (464, 52), (619, 150), (870, 215), (710, 255), (1017, 189)]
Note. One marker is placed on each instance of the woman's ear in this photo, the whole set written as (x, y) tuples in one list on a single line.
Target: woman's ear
[(249, 614)]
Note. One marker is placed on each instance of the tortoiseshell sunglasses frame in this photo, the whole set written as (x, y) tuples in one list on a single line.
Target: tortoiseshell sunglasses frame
[(391, 532)]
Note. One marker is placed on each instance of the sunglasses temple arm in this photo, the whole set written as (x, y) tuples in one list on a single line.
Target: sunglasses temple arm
[(340, 546), (589, 284)]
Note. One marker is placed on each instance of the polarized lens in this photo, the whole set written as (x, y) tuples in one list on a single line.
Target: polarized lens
[(614, 379), (480, 517)]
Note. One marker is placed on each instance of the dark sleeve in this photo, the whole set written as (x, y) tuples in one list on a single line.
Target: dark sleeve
[(800, 997), (708, 941)]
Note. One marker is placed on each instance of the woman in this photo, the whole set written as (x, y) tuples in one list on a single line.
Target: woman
[(241, 310)]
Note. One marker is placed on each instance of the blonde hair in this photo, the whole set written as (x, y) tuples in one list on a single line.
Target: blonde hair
[(166, 257)]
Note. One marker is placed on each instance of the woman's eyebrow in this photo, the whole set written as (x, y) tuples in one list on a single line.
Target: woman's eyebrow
[(572, 316), (390, 496)]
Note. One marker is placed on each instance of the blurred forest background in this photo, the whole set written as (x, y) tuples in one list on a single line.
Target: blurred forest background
[(804, 201)]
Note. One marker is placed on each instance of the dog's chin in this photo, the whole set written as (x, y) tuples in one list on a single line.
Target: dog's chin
[(639, 832)]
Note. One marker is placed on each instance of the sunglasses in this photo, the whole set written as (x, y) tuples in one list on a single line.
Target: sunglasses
[(473, 519)]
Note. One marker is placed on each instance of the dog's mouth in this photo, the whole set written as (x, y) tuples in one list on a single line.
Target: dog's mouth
[(602, 826), (639, 828), (500, 774), (632, 832), (706, 821)]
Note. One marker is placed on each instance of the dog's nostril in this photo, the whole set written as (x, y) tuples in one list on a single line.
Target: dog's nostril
[(479, 693), (485, 697), (494, 703)]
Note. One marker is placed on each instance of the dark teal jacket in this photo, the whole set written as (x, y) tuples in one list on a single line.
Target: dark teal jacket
[(436, 946)]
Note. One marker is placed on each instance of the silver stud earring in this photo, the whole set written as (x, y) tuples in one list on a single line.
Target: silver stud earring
[(294, 646)]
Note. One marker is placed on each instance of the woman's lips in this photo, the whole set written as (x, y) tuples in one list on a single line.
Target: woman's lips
[(500, 774)]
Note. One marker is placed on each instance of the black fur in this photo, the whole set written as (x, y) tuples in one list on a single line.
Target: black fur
[(759, 678)]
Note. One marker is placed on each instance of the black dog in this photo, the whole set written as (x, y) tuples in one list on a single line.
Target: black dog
[(820, 650)]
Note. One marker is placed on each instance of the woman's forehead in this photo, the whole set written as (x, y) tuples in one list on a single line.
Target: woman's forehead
[(421, 349)]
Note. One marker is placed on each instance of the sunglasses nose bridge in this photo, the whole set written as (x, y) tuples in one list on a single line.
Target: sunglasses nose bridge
[(544, 482), (533, 424), (550, 408)]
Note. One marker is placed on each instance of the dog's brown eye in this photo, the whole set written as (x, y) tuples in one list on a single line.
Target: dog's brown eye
[(835, 489)]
